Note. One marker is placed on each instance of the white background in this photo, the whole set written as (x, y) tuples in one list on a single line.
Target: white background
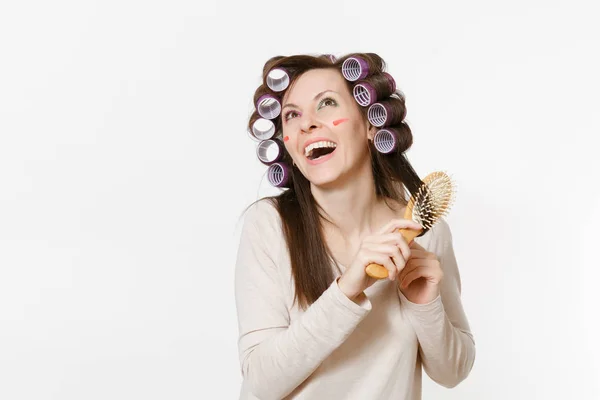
[(125, 166)]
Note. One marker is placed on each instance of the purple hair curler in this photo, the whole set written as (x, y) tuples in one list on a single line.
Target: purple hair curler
[(278, 174), (331, 58), (379, 114), (263, 129), (355, 68), (364, 94), (392, 81), (268, 106), (386, 140), (278, 79), (269, 151)]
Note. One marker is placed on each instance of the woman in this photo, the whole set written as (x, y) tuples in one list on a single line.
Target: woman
[(312, 323)]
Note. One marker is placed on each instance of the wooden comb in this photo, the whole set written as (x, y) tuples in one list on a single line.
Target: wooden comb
[(431, 202)]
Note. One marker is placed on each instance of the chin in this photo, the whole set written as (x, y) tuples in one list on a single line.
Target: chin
[(324, 179)]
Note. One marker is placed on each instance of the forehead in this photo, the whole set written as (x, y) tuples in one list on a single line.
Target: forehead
[(315, 81)]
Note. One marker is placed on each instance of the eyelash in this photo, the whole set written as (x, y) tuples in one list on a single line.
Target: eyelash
[(286, 116)]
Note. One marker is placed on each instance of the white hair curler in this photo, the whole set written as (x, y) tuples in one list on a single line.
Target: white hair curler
[(269, 151), (278, 79), (268, 106), (263, 129)]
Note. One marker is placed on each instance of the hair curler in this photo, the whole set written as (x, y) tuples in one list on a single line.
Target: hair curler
[(278, 79), (263, 129), (269, 151), (384, 113), (375, 87), (364, 94), (278, 174), (386, 140), (391, 80), (355, 68), (268, 106)]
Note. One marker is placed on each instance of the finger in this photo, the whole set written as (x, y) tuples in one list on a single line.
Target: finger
[(381, 259), (429, 269), (409, 267), (399, 223), (390, 237), (391, 250), (386, 248), (412, 275), (398, 259), (396, 239), (403, 246)]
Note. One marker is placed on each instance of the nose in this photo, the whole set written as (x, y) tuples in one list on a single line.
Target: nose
[(309, 123)]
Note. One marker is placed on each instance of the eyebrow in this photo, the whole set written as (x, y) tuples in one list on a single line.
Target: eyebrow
[(314, 98)]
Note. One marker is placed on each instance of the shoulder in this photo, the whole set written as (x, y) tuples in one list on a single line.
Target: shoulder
[(437, 238), (263, 216), (441, 232), (262, 245)]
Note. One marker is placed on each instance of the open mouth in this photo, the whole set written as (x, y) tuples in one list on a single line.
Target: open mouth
[(318, 150)]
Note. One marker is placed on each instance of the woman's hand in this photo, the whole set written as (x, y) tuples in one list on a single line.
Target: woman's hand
[(386, 247), (420, 279)]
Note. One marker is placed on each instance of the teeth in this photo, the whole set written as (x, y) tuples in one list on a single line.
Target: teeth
[(318, 145)]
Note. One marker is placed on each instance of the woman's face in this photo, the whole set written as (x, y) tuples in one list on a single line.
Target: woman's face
[(319, 109)]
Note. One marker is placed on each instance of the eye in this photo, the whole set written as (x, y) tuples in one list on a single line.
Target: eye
[(327, 101), (288, 114)]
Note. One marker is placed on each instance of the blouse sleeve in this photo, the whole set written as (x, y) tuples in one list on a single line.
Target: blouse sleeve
[(446, 344), (276, 354)]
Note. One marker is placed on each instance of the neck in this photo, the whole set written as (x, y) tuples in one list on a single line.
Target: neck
[(352, 205)]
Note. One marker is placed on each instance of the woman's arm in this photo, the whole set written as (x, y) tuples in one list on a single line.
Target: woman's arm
[(277, 355), (446, 343)]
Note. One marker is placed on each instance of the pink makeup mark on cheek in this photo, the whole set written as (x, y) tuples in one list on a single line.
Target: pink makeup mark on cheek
[(286, 138), (339, 121)]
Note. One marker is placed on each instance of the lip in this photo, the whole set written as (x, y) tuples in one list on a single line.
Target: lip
[(317, 139)]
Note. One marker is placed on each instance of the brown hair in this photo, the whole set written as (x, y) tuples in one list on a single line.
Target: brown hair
[(302, 218)]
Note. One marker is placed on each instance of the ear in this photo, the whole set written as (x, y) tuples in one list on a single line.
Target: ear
[(371, 131)]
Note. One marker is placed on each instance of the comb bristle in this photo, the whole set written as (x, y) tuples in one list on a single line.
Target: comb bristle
[(433, 199)]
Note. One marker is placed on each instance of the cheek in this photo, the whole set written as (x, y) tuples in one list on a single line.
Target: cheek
[(289, 142)]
